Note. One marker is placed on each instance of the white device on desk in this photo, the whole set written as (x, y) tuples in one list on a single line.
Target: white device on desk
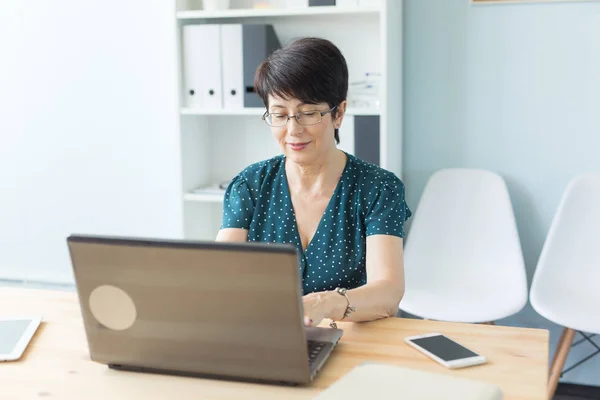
[(15, 335), (444, 350)]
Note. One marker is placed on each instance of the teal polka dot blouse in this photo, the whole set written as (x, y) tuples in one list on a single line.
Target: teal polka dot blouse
[(368, 200)]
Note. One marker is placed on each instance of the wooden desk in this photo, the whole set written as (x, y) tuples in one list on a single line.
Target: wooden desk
[(57, 366)]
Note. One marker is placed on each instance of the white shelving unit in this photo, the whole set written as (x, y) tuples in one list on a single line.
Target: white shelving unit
[(217, 143)]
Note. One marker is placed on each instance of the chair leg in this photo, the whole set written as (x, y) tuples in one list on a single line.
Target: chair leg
[(558, 361)]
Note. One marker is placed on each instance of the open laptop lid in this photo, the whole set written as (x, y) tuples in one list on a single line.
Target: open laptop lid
[(230, 309)]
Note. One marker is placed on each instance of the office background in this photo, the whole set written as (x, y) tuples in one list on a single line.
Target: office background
[(88, 106), (513, 88)]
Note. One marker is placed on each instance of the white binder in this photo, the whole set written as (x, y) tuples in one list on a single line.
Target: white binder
[(202, 66), (232, 54)]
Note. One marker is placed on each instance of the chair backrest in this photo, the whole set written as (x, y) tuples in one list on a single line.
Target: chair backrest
[(464, 234), (570, 258)]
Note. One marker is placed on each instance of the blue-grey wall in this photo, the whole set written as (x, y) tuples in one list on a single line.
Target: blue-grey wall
[(513, 88)]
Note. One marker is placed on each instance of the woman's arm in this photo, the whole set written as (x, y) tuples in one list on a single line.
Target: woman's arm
[(232, 235), (379, 298)]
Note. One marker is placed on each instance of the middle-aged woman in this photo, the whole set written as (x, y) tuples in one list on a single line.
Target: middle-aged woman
[(345, 216)]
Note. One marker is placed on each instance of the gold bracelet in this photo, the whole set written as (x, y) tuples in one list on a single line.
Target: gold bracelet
[(349, 309)]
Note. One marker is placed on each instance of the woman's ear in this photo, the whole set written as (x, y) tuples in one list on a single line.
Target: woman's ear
[(341, 111)]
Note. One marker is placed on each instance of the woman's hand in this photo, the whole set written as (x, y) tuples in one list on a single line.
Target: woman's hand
[(315, 308), (321, 305)]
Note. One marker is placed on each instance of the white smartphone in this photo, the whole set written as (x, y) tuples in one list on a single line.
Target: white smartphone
[(445, 351), (15, 334)]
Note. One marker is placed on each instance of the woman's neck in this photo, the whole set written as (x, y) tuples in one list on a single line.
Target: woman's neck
[(317, 178)]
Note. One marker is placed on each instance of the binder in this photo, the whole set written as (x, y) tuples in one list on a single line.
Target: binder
[(367, 138), (243, 48), (202, 66), (233, 64)]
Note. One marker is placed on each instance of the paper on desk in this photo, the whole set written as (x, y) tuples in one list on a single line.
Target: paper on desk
[(371, 381)]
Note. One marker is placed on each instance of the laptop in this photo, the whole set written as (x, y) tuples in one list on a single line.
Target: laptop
[(215, 309)]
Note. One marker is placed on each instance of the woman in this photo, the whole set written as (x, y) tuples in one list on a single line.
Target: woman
[(344, 215)]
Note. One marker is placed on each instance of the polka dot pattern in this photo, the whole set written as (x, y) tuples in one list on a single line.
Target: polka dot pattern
[(368, 200)]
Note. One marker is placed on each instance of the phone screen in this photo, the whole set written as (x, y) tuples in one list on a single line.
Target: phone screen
[(10, 334), (444, 348)]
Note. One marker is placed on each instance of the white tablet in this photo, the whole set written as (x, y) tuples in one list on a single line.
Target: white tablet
[(15, 334)]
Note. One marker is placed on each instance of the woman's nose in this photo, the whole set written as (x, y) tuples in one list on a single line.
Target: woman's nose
[(293, 127)]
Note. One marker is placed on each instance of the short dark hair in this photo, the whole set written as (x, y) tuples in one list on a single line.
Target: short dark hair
[(312, 70)]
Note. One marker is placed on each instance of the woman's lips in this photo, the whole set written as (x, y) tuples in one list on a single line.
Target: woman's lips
[(298, 146)]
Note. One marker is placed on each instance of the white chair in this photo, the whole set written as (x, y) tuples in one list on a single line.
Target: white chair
[(566, 282), (463, 259)]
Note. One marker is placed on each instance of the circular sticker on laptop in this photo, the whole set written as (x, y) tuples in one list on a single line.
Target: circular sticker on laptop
[(112, 307)]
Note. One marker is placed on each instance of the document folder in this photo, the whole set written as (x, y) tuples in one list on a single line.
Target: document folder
[(243, 49), (220, 61), (233, 64), (202, 66)]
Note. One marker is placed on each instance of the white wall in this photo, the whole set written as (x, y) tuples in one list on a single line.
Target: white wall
[(88, 128), (514, 88)]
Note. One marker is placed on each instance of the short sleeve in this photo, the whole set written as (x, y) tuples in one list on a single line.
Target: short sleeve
[(388, 211), (238, 205)]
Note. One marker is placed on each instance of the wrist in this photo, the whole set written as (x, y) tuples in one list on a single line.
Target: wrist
[(336, 305)]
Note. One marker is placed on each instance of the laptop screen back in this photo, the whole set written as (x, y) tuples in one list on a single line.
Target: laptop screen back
[(203, 307)]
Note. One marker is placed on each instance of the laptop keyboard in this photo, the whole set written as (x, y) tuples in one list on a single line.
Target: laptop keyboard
[(314, 348)]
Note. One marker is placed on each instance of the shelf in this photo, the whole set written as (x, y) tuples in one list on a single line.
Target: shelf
[(275, 12), (259, 111), (218, 141), (208, 197)]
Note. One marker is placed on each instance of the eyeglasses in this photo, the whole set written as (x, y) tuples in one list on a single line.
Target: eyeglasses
[(306, 118)]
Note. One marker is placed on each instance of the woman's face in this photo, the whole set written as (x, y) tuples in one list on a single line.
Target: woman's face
[(304, 144)]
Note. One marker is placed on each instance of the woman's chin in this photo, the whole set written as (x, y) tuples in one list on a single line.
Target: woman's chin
[(300, 157)]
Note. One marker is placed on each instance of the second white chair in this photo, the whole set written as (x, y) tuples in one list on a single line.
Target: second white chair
[(565, 284), (463, 259)]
